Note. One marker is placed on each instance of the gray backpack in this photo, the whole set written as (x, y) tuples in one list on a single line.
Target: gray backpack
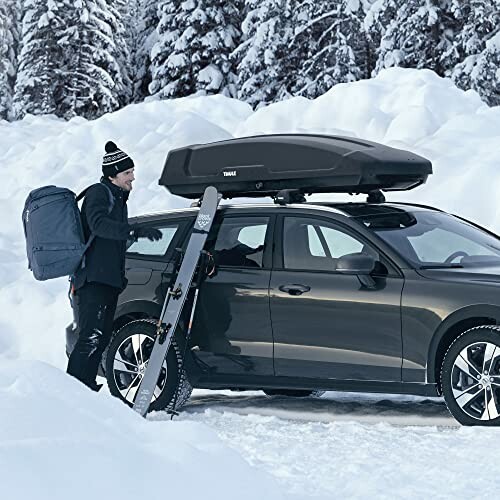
[(55, 242)]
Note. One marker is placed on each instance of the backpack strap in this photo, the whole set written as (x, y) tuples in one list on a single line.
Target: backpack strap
[(110, 195), (110, 208)]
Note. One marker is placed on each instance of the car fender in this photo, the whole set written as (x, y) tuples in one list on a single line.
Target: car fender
[(468, 316), (151, 309)]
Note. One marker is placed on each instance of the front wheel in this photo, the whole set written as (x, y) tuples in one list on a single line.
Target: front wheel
[(126, 362), (470, 376)]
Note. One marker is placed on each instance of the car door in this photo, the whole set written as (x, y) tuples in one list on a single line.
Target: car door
[(327, 324), (231, 332), (149, 264)]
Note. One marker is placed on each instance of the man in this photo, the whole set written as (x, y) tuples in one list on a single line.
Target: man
[(101, 278)]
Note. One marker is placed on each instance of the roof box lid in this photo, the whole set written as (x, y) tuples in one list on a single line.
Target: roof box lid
[(264, 165)]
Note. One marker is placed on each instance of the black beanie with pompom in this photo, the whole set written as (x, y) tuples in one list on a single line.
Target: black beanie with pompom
[(115, 160)]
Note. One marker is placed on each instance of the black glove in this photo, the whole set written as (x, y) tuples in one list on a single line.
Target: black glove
[(151, 233)]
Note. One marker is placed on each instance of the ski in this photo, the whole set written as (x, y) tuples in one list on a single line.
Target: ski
[(176, 299)]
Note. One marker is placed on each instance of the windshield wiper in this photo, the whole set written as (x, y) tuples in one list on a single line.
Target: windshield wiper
[(442, 266)]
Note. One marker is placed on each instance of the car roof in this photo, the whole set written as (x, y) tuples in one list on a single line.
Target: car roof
[(346, 209)]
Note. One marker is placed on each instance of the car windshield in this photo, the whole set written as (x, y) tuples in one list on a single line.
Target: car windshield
[(434, 239)]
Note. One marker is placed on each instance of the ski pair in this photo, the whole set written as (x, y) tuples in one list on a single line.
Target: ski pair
[(176, 299)]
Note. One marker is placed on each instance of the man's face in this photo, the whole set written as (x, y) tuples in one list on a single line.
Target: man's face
[(124, 179)]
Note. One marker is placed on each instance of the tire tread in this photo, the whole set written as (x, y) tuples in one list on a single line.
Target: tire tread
[(455, 341), (184, 386)]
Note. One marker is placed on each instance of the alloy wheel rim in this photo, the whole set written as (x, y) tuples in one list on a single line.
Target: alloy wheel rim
[(475, 380), (130, 363)]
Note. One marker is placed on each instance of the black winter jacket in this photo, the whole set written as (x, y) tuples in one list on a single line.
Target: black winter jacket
[(105, 259)]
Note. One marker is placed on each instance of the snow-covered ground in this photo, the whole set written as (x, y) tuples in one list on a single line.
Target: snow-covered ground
[(232, 444), (354, 446)]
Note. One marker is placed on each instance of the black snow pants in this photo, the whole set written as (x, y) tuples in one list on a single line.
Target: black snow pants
[(96, 309)]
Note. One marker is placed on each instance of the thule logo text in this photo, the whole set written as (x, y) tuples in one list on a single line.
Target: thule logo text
[(230, 173)]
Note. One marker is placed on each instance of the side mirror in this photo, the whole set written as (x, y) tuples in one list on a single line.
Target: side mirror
[(356, 263)]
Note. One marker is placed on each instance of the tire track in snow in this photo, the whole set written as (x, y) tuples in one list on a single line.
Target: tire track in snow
[(400, 411)]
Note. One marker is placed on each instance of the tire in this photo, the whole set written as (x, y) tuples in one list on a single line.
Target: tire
[(470, 377), (293, 393), (127, 345)]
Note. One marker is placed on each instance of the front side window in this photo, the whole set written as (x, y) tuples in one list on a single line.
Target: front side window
[(313, 244), (435, 239), (240, 242), (144, 246)]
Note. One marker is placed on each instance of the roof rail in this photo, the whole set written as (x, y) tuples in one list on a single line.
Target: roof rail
[(417, 205)]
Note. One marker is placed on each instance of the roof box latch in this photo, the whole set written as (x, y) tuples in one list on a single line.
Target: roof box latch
[(286, 196)]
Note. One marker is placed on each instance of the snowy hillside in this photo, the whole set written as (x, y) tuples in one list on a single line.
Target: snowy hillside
[(52, 426)]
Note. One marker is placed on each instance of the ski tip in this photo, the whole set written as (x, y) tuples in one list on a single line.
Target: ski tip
[(210, 190)]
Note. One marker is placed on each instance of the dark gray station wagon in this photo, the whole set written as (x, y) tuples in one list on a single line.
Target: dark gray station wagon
[(372, 297)]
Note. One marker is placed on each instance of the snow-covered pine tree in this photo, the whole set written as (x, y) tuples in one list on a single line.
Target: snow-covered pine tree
[(166, 80), (482, 72), (378, 18), (262, 57), (331, 45), (38, 78), (69, 62), (220, 34), (477, 48), (418, 36), (117, 19), (9, 40), (142, 23), (477, 20), (195, 38)]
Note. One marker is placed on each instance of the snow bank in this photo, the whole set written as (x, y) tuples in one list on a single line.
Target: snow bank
[(52, 424), (59, 440)]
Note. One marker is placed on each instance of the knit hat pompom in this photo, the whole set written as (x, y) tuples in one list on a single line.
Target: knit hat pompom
[(115, 160), (110, 147)]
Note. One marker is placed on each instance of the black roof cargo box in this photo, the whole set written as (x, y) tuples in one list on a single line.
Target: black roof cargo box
[(263, 165)]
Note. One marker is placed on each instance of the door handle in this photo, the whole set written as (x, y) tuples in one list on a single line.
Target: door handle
[(295, 289)]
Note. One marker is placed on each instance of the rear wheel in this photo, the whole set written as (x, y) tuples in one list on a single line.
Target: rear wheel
[(470, 377), (126, 361)]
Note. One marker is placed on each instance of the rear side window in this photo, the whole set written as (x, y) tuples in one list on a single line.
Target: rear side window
[(240, 241), (148, 248)]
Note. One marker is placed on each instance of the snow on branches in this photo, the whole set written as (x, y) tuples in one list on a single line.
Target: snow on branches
[(90, 57), (192, 54), (329, 45), (9, 41), (72, 59), (476, 62)]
